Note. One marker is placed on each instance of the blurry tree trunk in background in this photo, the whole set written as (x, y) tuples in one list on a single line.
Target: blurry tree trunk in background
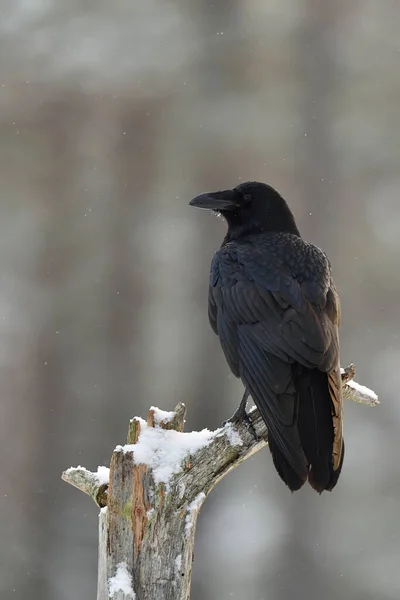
[(132, 163), (57, 121), (317, 79), (90, 283), (73, 268)]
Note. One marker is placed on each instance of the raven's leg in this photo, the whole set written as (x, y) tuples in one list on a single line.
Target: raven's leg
[(241, 416)]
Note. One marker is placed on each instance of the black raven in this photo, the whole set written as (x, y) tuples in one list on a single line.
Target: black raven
[(274, 306)]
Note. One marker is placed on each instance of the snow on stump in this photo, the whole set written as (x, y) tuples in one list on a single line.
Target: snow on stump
[(153, 491)]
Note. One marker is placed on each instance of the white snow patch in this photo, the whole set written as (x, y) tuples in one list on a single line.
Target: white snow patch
[(191, 508), (178, 565), (233, 435), (150, 513), (102, 475), (121, 582), (163, 451), (364, 391), (162, 416), (103, 510), (78, 468)]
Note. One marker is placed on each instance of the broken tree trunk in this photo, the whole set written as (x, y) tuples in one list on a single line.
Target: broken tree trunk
[(152, 493)]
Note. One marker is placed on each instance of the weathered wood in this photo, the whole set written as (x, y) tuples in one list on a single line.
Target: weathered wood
[(93, 484), (102, 579), (147, 529), (120, 530)]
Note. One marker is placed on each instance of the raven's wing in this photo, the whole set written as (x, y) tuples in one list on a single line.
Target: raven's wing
[(290, 316), (268, 318)]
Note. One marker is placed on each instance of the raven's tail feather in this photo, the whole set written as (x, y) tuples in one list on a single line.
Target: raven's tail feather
[(284, 468), (317, 409), (301, 408), (315, 416)]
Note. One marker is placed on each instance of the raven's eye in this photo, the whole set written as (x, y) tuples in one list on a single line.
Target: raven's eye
[(247, 197)]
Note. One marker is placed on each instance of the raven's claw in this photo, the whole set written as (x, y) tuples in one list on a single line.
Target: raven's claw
[(241, 416)]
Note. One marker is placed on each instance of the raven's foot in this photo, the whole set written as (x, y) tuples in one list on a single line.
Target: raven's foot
[(241, 416)]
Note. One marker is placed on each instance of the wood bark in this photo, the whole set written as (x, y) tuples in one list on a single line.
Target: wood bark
[(147, 529)]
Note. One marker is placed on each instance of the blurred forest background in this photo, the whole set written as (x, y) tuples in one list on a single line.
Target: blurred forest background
[(112, 116)]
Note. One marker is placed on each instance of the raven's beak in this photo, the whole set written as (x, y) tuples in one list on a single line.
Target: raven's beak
[(227, 200)]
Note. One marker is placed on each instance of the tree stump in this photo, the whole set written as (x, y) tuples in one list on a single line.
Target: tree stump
[(152, 493)]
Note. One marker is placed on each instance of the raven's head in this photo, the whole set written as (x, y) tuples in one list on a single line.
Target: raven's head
[(250, 207)]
